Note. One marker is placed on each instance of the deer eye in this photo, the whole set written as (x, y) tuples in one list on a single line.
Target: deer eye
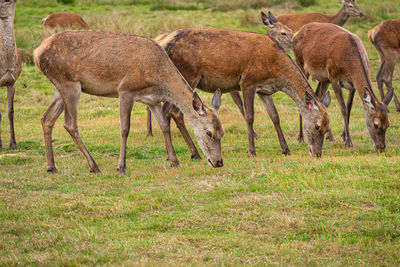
[(376, 126), (209, 133), (283, 33), (317, 127)]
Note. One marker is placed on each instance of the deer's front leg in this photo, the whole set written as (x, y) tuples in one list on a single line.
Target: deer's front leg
[(239, 103), (125, 109), (273, 114), (339, 96)]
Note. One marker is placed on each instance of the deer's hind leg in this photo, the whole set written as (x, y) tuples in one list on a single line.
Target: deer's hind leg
[(48, 120), (71, 98), (149, 126)]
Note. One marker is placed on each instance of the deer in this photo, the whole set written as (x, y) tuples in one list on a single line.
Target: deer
[(61, 21), (231, 60), (279, 32), (296, 21), (386, 39), (332, 54), (10, 63), (130, 68)]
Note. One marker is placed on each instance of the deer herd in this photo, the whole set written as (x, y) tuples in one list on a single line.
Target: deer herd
[(163, 72)]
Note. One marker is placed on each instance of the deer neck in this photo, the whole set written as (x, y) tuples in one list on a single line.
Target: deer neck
[(181, 95), (340, 18), (8, 48)]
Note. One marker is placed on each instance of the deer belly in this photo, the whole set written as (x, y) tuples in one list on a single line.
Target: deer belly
[(320, 75), (100, 88), (210, 83)]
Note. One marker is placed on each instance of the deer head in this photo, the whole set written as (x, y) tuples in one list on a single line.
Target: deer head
[(376, 119), (278, 31), (316, 123), (209, 132), (351, 8)]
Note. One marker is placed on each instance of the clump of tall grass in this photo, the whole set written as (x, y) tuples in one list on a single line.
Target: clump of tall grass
[(151, 27)]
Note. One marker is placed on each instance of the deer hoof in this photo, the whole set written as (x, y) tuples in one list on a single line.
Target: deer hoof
[(121, 170), (300, 139), (95, 170), (52, 170), (252, 154), (13, 146), (287, 152), (174, 164), (149, 134), (195, 156)]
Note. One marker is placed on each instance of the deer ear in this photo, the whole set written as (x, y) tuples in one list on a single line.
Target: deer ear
[(216, 100), (198, 105), (267, 21), (326, 100), (272, 18), (367, 99)]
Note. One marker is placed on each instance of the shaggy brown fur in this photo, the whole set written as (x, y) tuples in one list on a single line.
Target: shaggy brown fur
[(10, 62), (132, 68), (386, 39), (296, 21), (60, 21), (331, 54), (250, 62)]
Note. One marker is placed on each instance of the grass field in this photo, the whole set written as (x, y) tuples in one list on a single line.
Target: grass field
[(342, 209)]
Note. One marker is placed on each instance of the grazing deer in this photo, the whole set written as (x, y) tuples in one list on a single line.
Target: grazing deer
[(59, 21), (296, 21), (386, 39), (279, 32), (331, 54), (253, 63), (132, 68), (10, 62)]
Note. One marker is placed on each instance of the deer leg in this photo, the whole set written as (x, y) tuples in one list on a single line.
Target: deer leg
[(339, 95), (71, 123), (177, 115), (387, 78), (248, 98), (300, 138), (10, 99), (165, 129), (273, 114), (349, 106), (320, 92), (239, 103), (380, 77), (1, 145), (125, 110), (149, 127), (48, 120)]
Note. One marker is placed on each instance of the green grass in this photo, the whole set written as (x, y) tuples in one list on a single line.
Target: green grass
[(342, 209)]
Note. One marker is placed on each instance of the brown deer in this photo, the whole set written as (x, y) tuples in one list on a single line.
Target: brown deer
[(59, 21), (386, 39), (331, 54), (296, 21), (132, 68), (10, 62), (253, 63), (279, 32)]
